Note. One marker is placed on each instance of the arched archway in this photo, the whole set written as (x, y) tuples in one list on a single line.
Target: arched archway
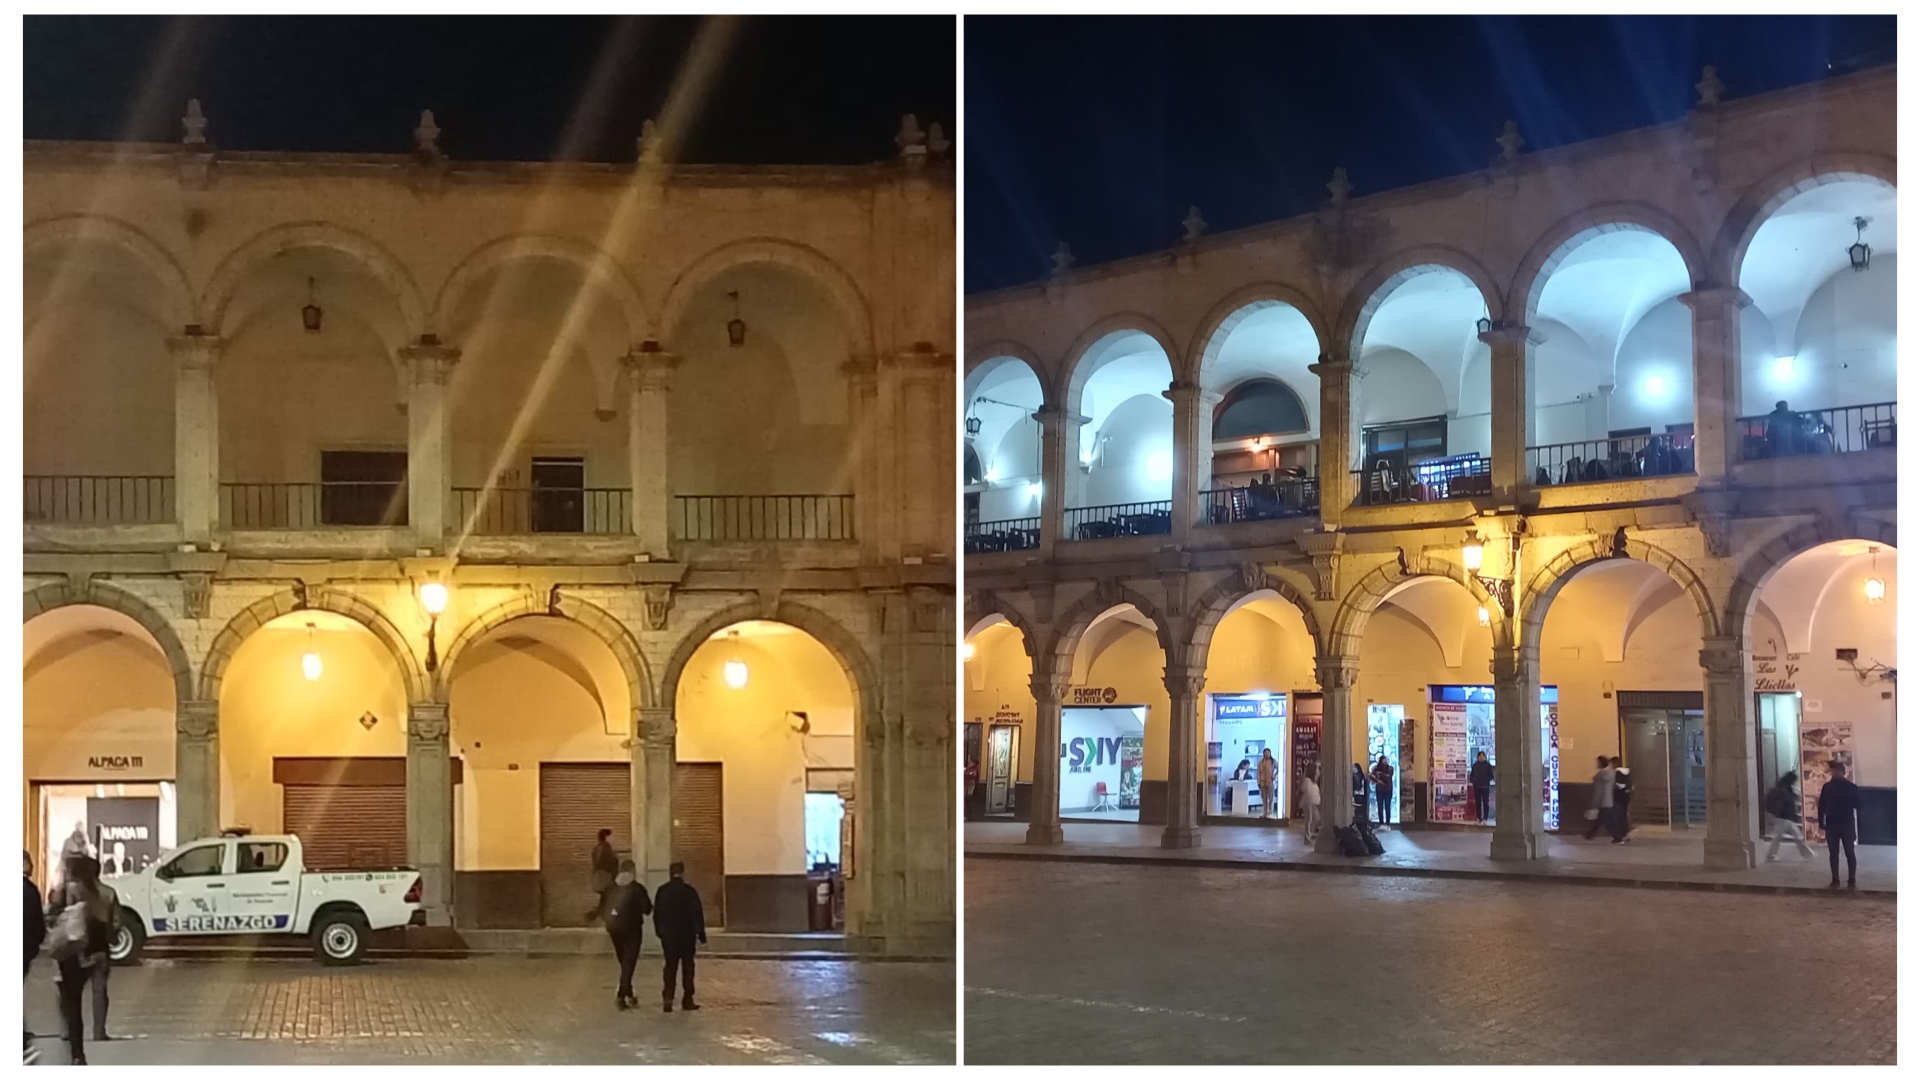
[(1255, 366), (1004, 398), (591, 617), (176, 304), (822, 271), (997, 741), (310, 598), (1117, 377), (246, 261)]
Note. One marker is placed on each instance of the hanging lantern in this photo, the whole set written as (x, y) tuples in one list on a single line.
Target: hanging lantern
[(1876, 585), (735, 670), (1472, 553), (1858, 252), (736, 326), (311, 314), (310, 665), (973, 425)]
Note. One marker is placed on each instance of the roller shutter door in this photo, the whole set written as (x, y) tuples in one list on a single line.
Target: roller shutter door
[(576, 802), (699, 835), (347, 827)]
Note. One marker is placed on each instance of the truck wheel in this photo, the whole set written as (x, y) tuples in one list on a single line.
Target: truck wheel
[(129, 937), (339, 938)]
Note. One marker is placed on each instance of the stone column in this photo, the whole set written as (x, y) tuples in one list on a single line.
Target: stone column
[(1716, 380), (430, 807), (1512, 408), (1043, 820), (1059, 453), (1336, 439), (429, 440), (1183, 765), (196, 436), (651, 753), (196, 770), (923, 463), (1732, 817), (871, 485), (1336, 675), (649, 379), (1519, 830), (1192, 453)]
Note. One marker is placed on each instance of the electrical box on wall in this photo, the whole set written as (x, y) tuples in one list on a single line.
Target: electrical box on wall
[(1849, 655)]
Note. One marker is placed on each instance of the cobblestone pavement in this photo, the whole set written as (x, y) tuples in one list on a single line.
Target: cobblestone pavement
[(506, 1010), (1096, 964)]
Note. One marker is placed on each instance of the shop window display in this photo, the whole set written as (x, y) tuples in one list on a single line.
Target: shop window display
[(1240, 728)]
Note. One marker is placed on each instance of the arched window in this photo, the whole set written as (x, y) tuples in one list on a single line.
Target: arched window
[(1259, 407), (975, 474)]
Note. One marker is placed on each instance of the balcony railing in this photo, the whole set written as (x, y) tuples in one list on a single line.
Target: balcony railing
[(1817, 431), (762, 517), (1294, 497), (99, 500), (334, 503), (1669, 454), (1009, 534), (1424, 481), (1120, 519), (542, 510)]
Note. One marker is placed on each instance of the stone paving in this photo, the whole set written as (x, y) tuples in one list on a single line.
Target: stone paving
[(1102, 964), (502, 1010), (1653, 857)]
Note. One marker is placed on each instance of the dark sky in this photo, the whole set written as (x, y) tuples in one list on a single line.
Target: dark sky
[(819, 90), (1102, 131)]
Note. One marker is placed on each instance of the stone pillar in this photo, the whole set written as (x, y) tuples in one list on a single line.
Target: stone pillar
[(1183, 753), (1059, 453), (1732, 815), (196, 770), (1519, 830), (1192, 453), (1512, 409), (1716, 380), (196, 436), (1336, 439), (429, 440), (871, 484), (1043, 820), (649, 378), (651, 756), (430, 807), (1336, 675), (924, 461)]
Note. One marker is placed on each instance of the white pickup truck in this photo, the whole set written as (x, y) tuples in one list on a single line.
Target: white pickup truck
[(259, 885)]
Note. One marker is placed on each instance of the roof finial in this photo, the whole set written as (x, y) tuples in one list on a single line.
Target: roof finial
[(1510, 141), (1062, 259), (1339, 186), (426, 137), (195, 122), (649, 142), (1194, 224), (937, 140), (1709, 87), (912, 142)]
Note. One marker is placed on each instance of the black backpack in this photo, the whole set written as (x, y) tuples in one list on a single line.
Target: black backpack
[(1370, 838), (1349, 840), (1782, 804)]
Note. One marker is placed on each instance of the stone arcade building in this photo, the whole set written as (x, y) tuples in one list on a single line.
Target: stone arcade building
[(449, 511), (1275, 483)]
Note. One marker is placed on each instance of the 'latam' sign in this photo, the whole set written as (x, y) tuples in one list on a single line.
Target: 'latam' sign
[(1084, 753), (116, 762), (220, 924), (1248, 708)]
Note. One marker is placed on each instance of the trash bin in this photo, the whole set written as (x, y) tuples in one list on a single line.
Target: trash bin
[(820, 900)]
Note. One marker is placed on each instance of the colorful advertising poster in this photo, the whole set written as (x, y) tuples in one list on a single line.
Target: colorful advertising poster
[(1451, 801), (1306, 747), (1820, 745), (1384, 725), (126, 833), (1550, 760)]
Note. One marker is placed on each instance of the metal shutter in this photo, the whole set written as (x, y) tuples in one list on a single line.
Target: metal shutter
[(576, 802), (699, 834), (340, 828)]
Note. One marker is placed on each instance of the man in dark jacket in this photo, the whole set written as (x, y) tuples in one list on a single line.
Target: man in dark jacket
[(627, 911), (36, 937), (1622, 801), (1840, 820), (1480, 778), (604, 864), (678, 922)]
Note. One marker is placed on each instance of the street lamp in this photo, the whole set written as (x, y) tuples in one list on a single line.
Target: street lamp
[(736, 668), (736, 326), (1472, 552), (310, 665), (1858, 252), (1876, 585), (311, 314), (966, 652), (433, 597)]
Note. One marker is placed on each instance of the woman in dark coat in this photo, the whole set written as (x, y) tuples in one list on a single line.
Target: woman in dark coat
[(87, 949)]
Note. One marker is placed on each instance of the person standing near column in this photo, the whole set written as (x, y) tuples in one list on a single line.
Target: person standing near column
[(1480, 778), (1783, 806), (678, 922), (1840, 820), (1382, 776), (1269, 783)]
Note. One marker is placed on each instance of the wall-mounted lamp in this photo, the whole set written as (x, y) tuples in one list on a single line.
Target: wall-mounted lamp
[(736, 326), (1472, 553), (311, 315), (973, 425), (966, 651), (735, 670), (1858, 252), (433, 597), (1486, 619), (1876, 585), (1655, 386), (1783, 369), (310, 665), (1473, 557)]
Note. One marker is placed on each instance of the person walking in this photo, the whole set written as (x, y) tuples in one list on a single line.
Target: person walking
[(36, 936), (1783, 806), (603, 866), (627, 911), (1480, 778), (78, 942), (1382, 777), (1269, 783), (1840, 820), (678, 922), (1601, 812), (1310, 803), (1359, 797), (1622, 801), (98, 974)]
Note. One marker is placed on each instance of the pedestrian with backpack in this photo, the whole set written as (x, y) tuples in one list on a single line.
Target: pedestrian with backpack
[(1783, 807), (1601, 812), (78, 941)]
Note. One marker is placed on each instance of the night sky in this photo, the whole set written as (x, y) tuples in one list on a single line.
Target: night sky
[(820, 90), (1102, 131)]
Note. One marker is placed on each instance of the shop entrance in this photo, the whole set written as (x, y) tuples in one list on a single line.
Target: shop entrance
[(1665, 746), (1102, 761), (126, 826), (1240, 729), (1384, 725), (1779, 749), (1461, 725), (1003, 749), (577, 800)]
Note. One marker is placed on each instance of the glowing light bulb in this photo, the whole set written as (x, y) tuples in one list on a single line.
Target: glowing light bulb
[(1876, 590), (1655, 386), (1034, 489), (736, 673), (1471, 554), (966, 651), (310, 666), (433, 597), (1783, 369), (1160, 465), (1485, 618)]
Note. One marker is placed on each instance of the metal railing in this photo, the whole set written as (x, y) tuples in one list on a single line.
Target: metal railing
[(1009, 534), (1120, 519), (364, 503), (99, 500), (1817, 431), (1425, 481), (542, 510), (1622, 457), (762, 517), (1294, 497)]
